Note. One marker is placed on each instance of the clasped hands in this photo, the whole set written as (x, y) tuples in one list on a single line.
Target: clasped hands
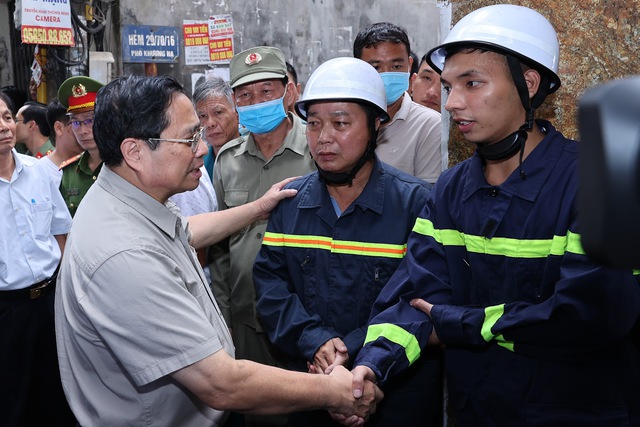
[(359, 403), (366, 394)]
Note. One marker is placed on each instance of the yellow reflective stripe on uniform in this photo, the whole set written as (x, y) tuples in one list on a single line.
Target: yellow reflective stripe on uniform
[(300, 241), (396, 335), (491, 317), (636, 272), (335, 246), (509, 247)]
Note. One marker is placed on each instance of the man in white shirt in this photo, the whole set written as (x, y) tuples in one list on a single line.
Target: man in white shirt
[(410, 141), (32, 236)]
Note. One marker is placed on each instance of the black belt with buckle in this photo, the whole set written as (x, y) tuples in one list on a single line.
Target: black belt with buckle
[(32, 292)]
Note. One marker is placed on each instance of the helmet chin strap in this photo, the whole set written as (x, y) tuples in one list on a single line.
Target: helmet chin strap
[(514, 143), (346, 178)]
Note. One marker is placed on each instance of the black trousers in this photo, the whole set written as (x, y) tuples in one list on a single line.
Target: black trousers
[(30, 389)]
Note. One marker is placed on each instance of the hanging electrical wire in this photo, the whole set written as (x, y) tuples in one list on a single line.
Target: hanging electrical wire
[(66, 58), (98, 9)]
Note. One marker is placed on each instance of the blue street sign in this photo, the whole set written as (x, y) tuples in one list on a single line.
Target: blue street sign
[(149, 44)]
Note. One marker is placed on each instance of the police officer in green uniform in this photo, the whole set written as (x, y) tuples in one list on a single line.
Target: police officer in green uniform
[(33, 130), (78, 95), (46, 149)]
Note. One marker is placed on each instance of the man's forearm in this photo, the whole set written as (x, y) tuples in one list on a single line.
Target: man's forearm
[(212, 227)]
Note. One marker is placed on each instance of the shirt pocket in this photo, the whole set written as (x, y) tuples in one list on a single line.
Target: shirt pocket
[(234, 198), (375, 274), (42, 214)]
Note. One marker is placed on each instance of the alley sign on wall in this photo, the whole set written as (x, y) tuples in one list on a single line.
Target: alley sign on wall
[(149, 44)]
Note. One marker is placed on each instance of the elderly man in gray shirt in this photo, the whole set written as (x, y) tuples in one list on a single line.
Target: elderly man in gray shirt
[(140, 338)]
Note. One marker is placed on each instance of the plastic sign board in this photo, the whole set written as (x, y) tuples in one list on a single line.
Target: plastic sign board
[(47, 22), (208, 42), (150, 44), (196, 42), (220, 38)]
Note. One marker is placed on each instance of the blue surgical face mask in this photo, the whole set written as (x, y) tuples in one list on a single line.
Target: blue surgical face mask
[(395, 84), (263, 117)]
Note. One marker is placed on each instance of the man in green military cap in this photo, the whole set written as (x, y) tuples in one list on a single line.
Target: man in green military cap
[(275, 148), (78, 95)]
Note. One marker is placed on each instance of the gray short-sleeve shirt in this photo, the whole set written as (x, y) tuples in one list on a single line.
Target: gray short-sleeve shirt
[(132, 307)]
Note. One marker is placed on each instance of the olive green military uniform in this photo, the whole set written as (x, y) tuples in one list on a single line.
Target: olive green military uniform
[(78, 95), (77, 177), (46, 149)]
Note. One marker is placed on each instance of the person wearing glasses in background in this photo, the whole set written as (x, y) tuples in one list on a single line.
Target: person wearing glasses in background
[(78, 95), (140, 338), (33, 130), (63, 139)]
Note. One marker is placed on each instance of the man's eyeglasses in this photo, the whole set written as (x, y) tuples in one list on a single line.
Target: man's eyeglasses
[(194, 141), (77, 123)]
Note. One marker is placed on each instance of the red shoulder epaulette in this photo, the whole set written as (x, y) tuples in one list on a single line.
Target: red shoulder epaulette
[(39, 155), (69, 161)]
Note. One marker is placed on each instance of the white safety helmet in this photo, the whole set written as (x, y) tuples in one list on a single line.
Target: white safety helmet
[(509, 29), (345, 79)]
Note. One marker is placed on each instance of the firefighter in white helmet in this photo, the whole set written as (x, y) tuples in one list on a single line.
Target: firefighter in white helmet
[(536, 333), (329, 250)]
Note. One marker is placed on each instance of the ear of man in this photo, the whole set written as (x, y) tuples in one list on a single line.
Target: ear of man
[(58, 128), (532, 79), (290, 93), (131, 149)]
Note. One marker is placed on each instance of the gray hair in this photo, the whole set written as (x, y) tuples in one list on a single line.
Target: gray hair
[(215, 87)]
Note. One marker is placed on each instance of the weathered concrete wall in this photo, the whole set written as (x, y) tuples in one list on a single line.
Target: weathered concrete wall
[(309, 32), (598, 38), (6, 71), (598, 43)]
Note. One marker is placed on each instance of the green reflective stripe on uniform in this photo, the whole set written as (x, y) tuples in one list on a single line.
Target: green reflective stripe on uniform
[(396, 335), (636, 272), (574, 243), (335, 246), (491, 317), (425, 227), (509, 345), (504, 246)]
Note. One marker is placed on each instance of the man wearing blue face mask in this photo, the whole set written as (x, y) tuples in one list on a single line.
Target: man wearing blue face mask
[(410, 141), (275, 148)]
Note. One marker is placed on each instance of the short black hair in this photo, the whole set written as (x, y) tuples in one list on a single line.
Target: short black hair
[(131, 107), (291, 70), (378, 33), (17, 96), (38, 113), (415, 66), (56, 113), (7, 100)]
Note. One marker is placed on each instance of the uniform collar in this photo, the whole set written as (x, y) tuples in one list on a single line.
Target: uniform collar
[(538, 165), (372, 196), (295, 141), (161, 215)]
